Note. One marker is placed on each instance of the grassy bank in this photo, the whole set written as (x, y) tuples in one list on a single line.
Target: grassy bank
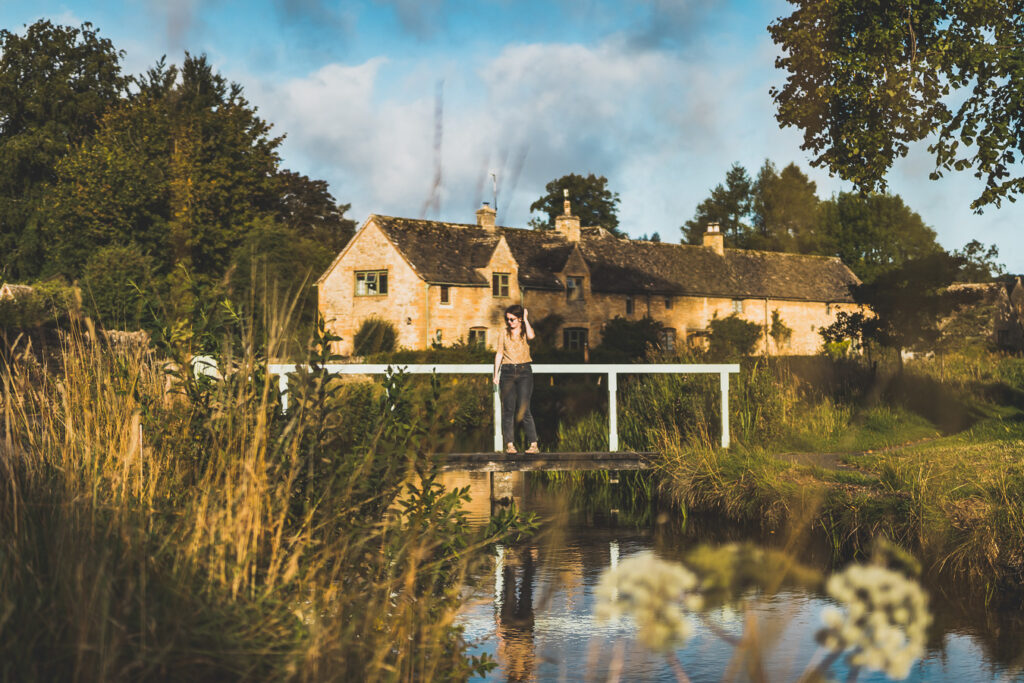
[(153, 525), (957, 499)]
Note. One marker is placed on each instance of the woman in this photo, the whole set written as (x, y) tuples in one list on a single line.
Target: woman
[(514, 377)]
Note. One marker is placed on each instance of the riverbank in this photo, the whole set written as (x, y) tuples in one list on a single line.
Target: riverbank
[(955, 500)]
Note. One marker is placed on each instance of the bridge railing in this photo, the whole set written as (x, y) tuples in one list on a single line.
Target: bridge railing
[(282, 370)]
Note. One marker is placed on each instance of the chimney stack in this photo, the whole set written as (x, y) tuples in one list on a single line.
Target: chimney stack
[(485, 217), (567, 224), (713, 238)]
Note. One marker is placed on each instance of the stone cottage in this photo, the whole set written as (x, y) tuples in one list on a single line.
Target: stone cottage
[(443, 282)]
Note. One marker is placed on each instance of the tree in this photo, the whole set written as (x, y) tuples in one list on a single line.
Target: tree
[(308, 208), (591, 200), (56, 82), (911, 301), (979, 263), (867, 80), (729, 205), (874, 233), (183, 169), (784, 209)]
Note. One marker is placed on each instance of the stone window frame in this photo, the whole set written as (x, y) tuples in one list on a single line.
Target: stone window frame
[(445, 296), (575, 338), (574, 287), (630, 305), (477, 335), (499, 288), (379, 277), (737, 306)]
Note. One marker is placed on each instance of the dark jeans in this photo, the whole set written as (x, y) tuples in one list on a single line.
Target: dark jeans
[(515, 385)]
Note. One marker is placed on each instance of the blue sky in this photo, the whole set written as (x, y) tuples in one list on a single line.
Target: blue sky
[(659, 96)]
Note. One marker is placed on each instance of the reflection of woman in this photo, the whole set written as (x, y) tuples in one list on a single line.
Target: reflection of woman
[(514, 377)]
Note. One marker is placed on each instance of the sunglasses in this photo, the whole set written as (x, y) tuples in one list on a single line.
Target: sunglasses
[(512, 320)]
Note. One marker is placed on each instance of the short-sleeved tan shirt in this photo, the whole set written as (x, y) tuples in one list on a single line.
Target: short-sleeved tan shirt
[(513, 350)]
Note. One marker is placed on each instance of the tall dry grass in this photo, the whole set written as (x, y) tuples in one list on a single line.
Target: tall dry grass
[(158, 526)]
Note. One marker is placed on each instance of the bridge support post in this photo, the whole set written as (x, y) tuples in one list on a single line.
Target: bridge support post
[(613, 412), (502, 488), (724, 377)]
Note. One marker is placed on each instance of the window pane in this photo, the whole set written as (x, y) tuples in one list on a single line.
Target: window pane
[(382, 282), (360, 284), (445, 294)]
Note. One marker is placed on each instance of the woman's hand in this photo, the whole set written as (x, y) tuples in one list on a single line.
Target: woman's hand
[(495, 379), (526, 314)]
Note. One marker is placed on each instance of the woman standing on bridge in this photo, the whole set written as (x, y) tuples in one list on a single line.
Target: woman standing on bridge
[(513, 375)]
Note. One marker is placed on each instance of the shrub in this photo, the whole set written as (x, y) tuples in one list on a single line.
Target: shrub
[(628, 340), (732, 337), (113, 281), (374, 336)]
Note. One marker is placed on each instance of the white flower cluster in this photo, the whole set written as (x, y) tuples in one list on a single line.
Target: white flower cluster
[(885, 620), (654, 593)]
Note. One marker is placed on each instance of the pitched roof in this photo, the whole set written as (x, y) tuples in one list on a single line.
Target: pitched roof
[(450, 253)]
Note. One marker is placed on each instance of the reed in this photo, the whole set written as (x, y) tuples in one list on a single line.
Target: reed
[(158, 525)]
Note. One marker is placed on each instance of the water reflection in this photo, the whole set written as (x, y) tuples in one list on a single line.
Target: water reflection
[(534, 612)]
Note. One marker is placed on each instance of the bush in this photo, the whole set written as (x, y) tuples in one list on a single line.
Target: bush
[(733, 337), (628, 340), (375, 335), (113, 281)]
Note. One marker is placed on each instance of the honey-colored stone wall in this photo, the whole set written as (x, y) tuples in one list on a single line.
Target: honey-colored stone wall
[(404, 304)]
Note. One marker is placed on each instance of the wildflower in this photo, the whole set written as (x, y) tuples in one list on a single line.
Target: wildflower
[(654, 593), (884, 623)]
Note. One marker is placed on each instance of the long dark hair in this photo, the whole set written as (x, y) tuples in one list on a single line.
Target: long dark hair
[(517, 311)]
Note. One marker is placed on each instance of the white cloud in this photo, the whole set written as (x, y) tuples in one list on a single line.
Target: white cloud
[(662, 127)]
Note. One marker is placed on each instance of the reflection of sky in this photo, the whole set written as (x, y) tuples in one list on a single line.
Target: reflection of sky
[(570, 645)]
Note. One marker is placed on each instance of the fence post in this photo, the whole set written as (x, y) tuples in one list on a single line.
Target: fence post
[(498, 445), (613, 413), (725, 408)]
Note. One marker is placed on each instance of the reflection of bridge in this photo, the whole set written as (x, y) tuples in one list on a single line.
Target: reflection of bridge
[(611, 370)]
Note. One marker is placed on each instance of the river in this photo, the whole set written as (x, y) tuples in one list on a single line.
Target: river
[(532, 610)]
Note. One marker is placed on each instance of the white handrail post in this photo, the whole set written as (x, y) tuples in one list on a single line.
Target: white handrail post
[(725, 408), (613, 413), (498, 445), (282, 386)]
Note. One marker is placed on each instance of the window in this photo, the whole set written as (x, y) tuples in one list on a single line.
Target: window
[(668, 303), (371, 282), (478, 335), (573, 288), (438, 337), (668, 338), (737, 305), (828, 309), (629, 305), (446, 295), (499, 284), (574, 338)]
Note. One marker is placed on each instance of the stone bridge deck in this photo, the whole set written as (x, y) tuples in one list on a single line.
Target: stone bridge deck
[(548, 462)]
